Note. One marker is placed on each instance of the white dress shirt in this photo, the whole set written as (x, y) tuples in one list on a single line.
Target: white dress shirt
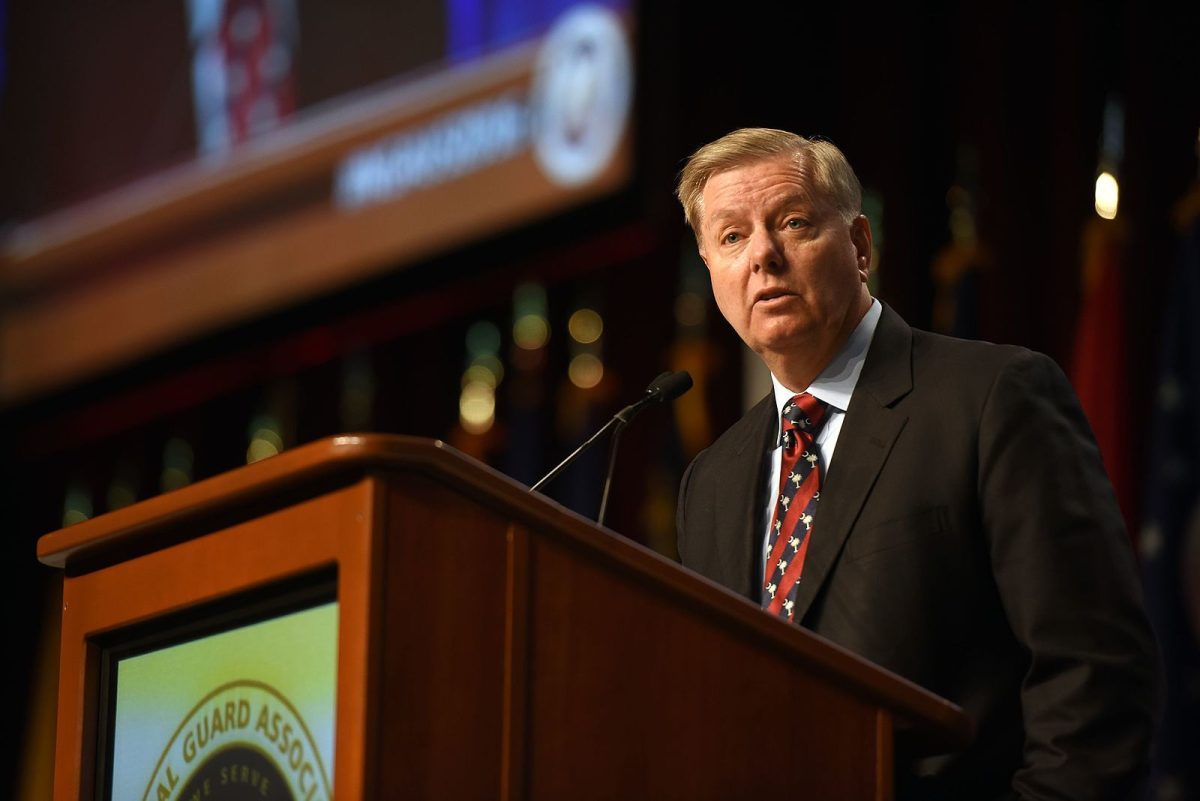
[(834, 385)]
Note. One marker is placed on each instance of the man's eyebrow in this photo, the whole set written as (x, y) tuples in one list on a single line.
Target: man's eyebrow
[(724, 214)]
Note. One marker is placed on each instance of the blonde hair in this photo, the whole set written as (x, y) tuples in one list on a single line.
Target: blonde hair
[(832, 177)]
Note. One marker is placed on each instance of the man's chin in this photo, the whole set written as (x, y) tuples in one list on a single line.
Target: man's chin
[(784, 339)]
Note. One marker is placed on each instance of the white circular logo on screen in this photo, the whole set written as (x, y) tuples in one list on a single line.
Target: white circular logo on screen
[(242, 740), (581, 94)]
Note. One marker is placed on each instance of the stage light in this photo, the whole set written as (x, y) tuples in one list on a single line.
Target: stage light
[(585, 371), (265, 439), (177, 464), (77, 505), (477, 407), (483, 339), (585, 326), (531, 331), (1107, 195)]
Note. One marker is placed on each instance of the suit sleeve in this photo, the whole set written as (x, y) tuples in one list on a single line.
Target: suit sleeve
[(1069, 586)]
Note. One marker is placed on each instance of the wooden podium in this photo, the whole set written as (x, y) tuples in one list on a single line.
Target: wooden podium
[(490, 644)]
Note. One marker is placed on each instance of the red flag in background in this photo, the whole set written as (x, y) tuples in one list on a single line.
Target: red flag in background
[(1099, 367)]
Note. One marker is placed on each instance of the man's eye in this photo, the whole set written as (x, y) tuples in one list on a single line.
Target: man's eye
[(795, 223), (731, 237)]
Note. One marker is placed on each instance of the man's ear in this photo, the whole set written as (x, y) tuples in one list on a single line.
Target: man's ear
[(700, 249), (860, 235)]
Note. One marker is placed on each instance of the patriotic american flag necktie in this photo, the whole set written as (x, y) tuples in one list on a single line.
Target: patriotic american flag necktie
[(795, 506)]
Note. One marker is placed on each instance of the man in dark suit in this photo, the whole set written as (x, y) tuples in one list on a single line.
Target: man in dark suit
[(936, 505)]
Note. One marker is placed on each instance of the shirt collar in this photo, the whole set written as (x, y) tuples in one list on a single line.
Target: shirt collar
[(836, 382)]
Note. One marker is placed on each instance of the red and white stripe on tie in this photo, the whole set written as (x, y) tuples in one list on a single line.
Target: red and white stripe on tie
[(795, 506)]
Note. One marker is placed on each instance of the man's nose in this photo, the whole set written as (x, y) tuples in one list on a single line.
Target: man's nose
[(765, 253)]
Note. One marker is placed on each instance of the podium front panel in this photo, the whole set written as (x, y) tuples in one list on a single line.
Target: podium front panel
[(302, 567)]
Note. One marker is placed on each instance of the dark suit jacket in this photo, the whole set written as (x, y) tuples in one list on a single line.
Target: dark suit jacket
[(967, 539)]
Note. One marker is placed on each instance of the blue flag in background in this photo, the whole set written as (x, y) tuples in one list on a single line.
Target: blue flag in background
[(1170, 538), (477, 27)]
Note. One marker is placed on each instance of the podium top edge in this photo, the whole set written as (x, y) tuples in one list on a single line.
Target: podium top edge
[(328, 458)]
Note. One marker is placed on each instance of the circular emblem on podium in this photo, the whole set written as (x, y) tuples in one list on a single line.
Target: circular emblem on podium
[(242, 741), (581, 95)]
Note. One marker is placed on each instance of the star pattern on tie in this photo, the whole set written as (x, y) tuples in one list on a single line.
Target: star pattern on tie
[(799, 491)]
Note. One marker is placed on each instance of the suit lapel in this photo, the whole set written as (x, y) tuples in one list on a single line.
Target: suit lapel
[(867, 436), (739, 502)]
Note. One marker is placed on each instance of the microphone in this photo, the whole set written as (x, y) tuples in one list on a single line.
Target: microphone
[(667, 386)]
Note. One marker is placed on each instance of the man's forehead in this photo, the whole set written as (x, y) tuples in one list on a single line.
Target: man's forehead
[(777, 180)]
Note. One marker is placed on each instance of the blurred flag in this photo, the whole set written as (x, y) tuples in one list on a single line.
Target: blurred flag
[(1169, 542), (476, 27), (956, 290), (1100, 364), (1099, 367), (243, 56), (956, 267)]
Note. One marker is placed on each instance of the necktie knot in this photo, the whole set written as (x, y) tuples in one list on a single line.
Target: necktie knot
[(803, 417)]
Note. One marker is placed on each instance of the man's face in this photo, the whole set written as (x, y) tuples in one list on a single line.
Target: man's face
[(788, 272)]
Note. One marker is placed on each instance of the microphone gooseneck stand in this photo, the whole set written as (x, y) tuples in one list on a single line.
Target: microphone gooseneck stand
[(667, 386)]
